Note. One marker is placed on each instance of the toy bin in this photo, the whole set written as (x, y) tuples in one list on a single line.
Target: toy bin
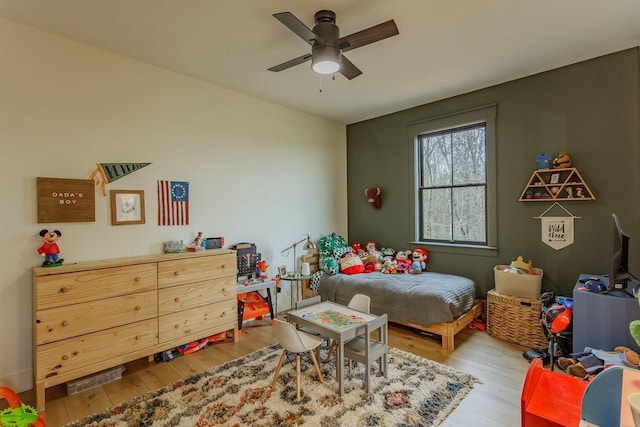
[(515, 319), (518, 285), (95, 380)]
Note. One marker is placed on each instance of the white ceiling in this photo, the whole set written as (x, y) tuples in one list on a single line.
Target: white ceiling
[(445, 47)]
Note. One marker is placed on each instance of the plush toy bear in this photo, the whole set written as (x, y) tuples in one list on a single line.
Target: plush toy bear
[(418, 261), (402, 261)]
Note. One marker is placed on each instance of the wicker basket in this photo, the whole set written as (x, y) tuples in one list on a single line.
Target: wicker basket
[(515, 319)]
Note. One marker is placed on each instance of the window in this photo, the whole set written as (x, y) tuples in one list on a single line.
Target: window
[(454, 198)]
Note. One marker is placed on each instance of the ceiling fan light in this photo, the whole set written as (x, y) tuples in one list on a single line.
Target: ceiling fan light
[(326, 67), (326, 59)]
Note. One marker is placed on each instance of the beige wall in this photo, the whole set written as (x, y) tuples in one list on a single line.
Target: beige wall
[(258, 172)]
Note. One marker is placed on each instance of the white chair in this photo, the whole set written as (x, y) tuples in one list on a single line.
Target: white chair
[(297, 342), (368, 349), (306, 303), (359, 302)]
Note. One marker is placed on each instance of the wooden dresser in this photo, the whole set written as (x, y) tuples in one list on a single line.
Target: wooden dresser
[(94, 315)]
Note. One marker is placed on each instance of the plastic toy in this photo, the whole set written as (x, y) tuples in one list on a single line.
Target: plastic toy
[(262, 266), (18, 414), (49, 249), (196, 245)]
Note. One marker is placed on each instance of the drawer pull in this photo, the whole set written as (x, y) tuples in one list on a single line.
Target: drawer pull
[(138, 337), (65, 323), (176, 326), (75, 353), (65, 357), (176, 299), (64, 290), (137, 308), (176, 273), (137, 279)]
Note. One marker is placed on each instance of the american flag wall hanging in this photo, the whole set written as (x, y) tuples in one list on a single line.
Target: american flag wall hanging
[(173, 203)]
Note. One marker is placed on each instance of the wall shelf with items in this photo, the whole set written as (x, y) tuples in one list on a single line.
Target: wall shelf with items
[(556, 184)]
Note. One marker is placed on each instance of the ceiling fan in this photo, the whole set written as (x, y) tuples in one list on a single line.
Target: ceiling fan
[(326, 44)]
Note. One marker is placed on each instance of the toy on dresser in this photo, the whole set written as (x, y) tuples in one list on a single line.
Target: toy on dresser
[(49, 249)]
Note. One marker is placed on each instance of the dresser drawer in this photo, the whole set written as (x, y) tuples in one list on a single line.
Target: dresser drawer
[(184, 297), (62, 357), (71, 288), (197, 320), (60, 323), (199, 269)]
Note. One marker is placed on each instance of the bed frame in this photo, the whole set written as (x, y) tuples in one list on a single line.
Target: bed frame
[(447, 330)]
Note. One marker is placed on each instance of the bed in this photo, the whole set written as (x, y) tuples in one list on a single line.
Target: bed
[(441, 304)]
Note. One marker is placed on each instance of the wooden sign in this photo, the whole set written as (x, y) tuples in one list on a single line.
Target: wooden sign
[(66, 200)]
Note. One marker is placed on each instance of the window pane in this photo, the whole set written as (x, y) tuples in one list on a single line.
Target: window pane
[(469, 163), (469, 223), (436, 160), (436, 214)]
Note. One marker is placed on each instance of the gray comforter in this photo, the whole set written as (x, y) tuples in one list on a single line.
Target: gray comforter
[(423, 299)]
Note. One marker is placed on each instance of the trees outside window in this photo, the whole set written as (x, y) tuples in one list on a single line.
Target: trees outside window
[(454, 179)]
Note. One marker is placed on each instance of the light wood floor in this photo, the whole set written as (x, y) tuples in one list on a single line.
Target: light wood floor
[(496, 402)]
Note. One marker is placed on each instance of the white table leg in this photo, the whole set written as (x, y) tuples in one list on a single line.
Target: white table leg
[(339, 366)]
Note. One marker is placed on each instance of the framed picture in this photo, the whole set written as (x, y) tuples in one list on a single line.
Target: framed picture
[(555, 178), (127, 207), (282, 271)]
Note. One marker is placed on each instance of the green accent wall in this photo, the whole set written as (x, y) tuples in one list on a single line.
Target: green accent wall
[(590, 109)]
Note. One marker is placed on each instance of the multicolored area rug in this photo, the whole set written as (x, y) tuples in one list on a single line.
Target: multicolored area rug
[(418, 392)]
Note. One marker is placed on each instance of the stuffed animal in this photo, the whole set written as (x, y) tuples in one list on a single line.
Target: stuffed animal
[(350, 263), (49, 249), (388, 254), (418, 261), (562, 161), (402, 261), (373, 197), (389, 266), (370, 262), (372, 248)]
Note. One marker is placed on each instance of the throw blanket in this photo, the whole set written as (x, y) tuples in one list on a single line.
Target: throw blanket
[(423, 299)]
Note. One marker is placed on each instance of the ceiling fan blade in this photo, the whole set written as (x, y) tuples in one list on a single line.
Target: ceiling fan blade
[(370, 35), (299, 60), (347, 68), (295, 25)]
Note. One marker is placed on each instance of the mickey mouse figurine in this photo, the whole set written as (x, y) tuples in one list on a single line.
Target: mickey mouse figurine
[(49, 248)]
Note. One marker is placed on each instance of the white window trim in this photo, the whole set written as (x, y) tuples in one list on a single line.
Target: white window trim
[(485, 114)]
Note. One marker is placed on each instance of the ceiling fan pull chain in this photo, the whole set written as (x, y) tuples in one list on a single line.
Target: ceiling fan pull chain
[(320, 79)]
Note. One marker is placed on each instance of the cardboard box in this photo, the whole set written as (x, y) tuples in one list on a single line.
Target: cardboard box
[(518, 285)]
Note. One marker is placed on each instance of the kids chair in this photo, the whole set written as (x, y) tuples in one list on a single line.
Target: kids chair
[(358, 302), (550, 398), (297, 342), (367, 349)]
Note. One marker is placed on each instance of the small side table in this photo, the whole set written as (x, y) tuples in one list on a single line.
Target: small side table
[(295, 278)]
